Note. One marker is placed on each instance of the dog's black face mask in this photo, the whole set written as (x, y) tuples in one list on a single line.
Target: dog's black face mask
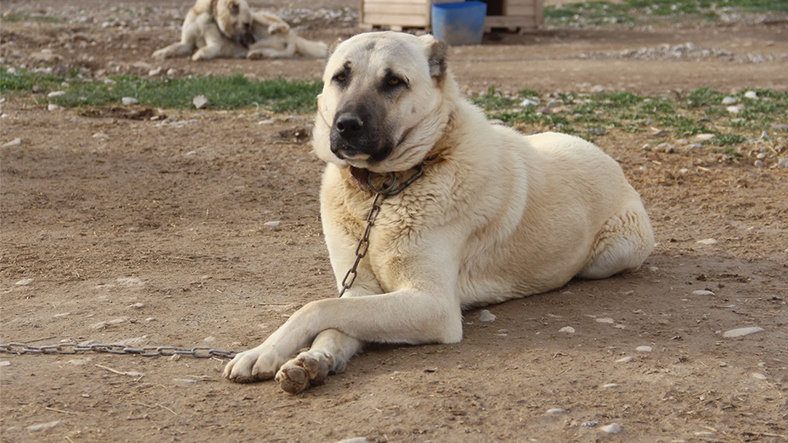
[(247, 38), (358, 130)]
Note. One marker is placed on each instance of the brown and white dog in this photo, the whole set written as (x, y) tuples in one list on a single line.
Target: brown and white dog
[(229, 28), (495, 216)]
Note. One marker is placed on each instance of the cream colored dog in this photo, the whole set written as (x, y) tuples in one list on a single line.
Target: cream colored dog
[(495, 216), (229, 28)]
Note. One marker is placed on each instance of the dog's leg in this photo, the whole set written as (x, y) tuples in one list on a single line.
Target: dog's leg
[(265, 51), (329, 354), (624, 242), (216, 45), (185, 46)]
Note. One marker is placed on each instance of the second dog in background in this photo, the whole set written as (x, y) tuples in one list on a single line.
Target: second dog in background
[(229, 28)]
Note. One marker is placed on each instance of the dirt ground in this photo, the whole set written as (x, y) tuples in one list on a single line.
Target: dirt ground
[(154, 233)]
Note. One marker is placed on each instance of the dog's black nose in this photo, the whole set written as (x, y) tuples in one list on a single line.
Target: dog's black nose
[(349, 125)]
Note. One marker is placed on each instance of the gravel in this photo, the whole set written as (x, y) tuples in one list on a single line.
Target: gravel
[(741, 332)]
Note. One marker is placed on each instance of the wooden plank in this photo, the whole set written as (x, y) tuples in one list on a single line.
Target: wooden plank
[(539, 13), (393, 8), (528, 11), (396, 19)]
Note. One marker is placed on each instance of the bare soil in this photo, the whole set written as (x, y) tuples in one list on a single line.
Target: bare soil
[(153, 232)]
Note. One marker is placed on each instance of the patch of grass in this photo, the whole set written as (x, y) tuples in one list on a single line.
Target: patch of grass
[(493, 100), (727, 139), (704, 97), (222, 92), (11, 18)]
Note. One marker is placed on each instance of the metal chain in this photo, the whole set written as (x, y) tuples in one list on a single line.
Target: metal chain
[(386, 189), (148, 351)]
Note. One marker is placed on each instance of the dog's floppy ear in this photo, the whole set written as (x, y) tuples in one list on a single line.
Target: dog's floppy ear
[(437, 52)]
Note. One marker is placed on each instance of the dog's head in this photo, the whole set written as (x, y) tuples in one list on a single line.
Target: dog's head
[(383, 102), (235, 21)]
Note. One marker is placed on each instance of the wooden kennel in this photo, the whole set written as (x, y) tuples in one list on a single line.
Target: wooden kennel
[(400, 14)]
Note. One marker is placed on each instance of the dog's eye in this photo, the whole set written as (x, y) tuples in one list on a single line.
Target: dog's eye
[(340, 78), (393, 82), (234, 9)]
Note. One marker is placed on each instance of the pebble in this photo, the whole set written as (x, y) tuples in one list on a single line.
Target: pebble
[(707, 241), (751, 95), (5, 363), (589, 424), (702, 292), (624, 360), (605, 320), (273, 224), (733, 109), (567, 329), (758, 375), (758, 163), (354, 440), (200, 102), (683, 171), (486, 316), (761, 156), (727, 101), (186, 381), (14, 142), (171, 72), (612, 428), (129, 101), (137, 306), (100, 135), (36, 89), (555, 411), (597, 131), (783, 162), (643, 349), (528, 102), (155, 72), (56, 93), (43, 426), (53, 107), (610, 385), (104, 324), (704, 137), (209, 339), (24, 282), (741, 332), (659, 133)]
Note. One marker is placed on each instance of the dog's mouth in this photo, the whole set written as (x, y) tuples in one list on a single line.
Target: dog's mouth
[(247, 39)]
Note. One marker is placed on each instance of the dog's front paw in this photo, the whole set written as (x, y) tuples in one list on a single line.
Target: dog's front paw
[(310, 368), (255, 55), (161, 54), (252, 365)]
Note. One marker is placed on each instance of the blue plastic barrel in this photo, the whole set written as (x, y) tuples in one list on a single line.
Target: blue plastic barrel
[(459, 23)]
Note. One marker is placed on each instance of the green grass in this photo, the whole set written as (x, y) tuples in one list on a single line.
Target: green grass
[(222, 92), (639, 11), (595, 115), (10, 18)]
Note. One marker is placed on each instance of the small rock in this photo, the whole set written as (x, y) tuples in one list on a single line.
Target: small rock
[(598, 89), (172, 72), (624, 360), (44, 426), (185, 381), (758, 163), (273, 224), (56, 93), (567, 329), (733, 109), (14, 142), (761, 156), (36, 89), (643, 349), (486, 316), (129, 101), (155, 72), (683, 171), (589, 424), (200, 102), (758, 375), (555, 411), (24, 282), (659, 133), (100, 135), (5, 363), (528, 102), (741, 332), (354, 440), (53, 107), (137, 306), (783, 162), (610, 385), (723, 364), (727, 101), (612, 428), (209, 339), (605, 320), (707, 241), (597, 131), (702, 292), (752, 95), (546, 111), (704, 137)]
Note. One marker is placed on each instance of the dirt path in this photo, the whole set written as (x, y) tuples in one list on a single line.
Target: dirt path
[(154, 233)]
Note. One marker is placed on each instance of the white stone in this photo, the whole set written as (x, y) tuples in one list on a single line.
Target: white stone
[(200, 102), (24, 282), (100, 135), (733, 109), (783, 162), (758, 375), (624, 360), (486, 316), (704, 137), (741, 332), (14, 142), (130, 281), (643, 349), (612, 428), (129, 101), (702, 292), (555, 411), (156, 71), (5, 363), (727, 101), (209, 339), (610, 385), (56, 93), (707, 241), (171, 72), (273, 224), (567, 329), (528, 102), (53, 107), (137, 306), (354, 440), (44, 426), (751, 95), (605, 320)]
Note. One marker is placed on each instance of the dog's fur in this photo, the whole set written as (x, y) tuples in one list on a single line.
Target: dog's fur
[(229, 28), (496, 215)]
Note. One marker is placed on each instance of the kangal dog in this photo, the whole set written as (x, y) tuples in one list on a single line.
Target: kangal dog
[(494, 216), (229, 28)]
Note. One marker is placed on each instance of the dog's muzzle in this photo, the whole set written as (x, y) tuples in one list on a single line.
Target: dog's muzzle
[(353, 138)]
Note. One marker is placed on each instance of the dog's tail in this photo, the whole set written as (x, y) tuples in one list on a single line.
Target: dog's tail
[(310, 48)]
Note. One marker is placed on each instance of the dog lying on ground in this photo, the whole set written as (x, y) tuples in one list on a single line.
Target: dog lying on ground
[(495, 216), (229, 28)]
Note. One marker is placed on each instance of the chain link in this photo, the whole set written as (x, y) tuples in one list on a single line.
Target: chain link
[(147, 351)]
